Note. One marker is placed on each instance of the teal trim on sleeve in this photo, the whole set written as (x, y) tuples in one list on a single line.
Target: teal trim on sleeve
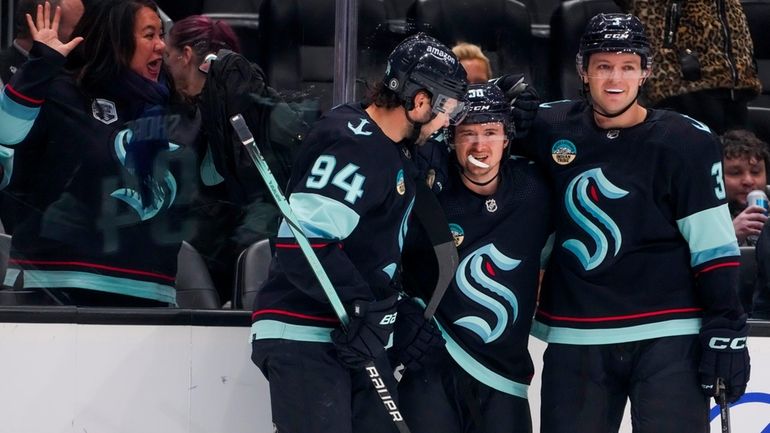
[(480, 372), (15, 120), (728, 250), (669, 328), (266, 329), (34, 278), (6, 162), (708, 229), (320, 217)]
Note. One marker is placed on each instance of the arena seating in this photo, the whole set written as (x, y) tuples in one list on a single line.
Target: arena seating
[(758, 16), (250, 273)]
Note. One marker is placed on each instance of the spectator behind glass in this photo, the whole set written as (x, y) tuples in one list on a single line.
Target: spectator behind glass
[(102, 226), (474, 61), (201, 55), (14, 56), (745, 161), (705, 68)]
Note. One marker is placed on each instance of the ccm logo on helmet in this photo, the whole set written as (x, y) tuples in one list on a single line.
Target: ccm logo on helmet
[(721, 343), (616, 36), (480, 108), (441, 54)]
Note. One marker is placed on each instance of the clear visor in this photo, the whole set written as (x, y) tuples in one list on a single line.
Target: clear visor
[(454, 109)]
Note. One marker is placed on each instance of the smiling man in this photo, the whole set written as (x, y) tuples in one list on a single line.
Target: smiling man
[(640, 289)]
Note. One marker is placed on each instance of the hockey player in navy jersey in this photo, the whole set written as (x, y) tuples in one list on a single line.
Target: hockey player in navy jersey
[(350, 191), (639, 297), (497, 208)]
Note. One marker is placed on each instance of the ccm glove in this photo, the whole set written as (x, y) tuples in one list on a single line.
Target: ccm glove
[(524, 101), (725, 356), (416, 339), (371, 324)]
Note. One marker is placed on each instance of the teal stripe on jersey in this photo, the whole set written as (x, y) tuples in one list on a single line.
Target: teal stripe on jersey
[(320, 217), (669, 328), (480, 372), (709, 231), (727, 250), (84, 280), (264, 329), (390, 270), (15, 120)]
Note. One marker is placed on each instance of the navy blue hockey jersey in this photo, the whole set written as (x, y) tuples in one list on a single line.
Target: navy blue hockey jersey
[(486, 313), (644, 242), (352, 197)]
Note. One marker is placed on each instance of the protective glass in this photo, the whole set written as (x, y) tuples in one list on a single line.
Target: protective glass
[(454, 109)]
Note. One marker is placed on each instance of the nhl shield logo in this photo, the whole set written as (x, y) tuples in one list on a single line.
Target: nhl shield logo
[(104, 111), (563, 152), (491, 205)]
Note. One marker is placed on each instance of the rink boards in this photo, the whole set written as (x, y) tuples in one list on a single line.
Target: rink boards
[(180, 371)]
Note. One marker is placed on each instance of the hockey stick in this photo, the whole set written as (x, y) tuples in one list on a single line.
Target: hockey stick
[(246, 137), (428, 210), (724, 407)]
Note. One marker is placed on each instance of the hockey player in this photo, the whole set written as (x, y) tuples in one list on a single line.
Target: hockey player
[(639, 298), (498, 211), (349, 190)]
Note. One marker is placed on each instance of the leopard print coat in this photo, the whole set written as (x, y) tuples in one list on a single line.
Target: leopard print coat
[(725, 53)]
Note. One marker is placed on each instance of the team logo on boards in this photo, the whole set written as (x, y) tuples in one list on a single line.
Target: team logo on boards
[(457, 233), (563, 152), (582, 204), (482, 267), (400, 183), (104, 111)]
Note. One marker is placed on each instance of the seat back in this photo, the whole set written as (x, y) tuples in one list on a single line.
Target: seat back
[(568, 22), (758, 16), (502, 28), (251, 272), (246, 27), (297, 46), (759, 122), (194, 287)]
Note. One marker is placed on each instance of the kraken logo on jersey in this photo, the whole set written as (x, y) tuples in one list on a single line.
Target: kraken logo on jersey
[(583, 187), (160, 196), (359, 130), (479, 265)]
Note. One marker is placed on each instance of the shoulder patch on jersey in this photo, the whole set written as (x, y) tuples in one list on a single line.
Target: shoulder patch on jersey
[(563, 152), (104, 111), (359, 130), (400, 183), (697, 124), (457, 233)]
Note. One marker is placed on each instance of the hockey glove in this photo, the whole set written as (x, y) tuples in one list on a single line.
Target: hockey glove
[(371, 324), (524, 101), (724, 355), (416, 340)]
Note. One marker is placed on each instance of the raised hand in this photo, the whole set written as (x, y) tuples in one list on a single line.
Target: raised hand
[(46, 30)]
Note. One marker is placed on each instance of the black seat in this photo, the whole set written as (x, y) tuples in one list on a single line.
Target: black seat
[(567, 25), (759, 122), (246, 27), (297, 46), (231, 6), (194, 287), (758, 16), (502, 28), (250, 272), (540, 11)]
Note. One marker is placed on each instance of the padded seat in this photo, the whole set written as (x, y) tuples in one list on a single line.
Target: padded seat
[(250, 273)]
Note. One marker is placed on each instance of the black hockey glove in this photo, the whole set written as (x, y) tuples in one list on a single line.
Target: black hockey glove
[(416, 340), (371, 324), (725, 356), (524, 101)]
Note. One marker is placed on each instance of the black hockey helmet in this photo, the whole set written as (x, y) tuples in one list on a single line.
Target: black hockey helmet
[(486, 104), (615, 33), (422, 62)]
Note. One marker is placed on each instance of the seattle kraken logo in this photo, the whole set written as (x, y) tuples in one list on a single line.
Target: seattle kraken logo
[(160, 196), (582, 188), (479, 265), (359, 130)]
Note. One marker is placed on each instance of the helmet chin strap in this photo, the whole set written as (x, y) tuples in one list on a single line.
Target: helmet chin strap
[(416, 127), (462, 171)]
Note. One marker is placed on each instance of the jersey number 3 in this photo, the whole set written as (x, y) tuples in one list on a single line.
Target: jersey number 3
[(347, 179), (716, 171)]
